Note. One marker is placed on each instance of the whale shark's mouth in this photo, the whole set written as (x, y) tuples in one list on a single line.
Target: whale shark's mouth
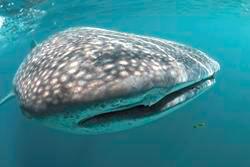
[(170, 101)]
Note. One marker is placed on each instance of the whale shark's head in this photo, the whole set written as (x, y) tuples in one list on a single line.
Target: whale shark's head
[(89, 80)]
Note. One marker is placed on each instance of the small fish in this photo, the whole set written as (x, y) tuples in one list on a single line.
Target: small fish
[(200, 125)]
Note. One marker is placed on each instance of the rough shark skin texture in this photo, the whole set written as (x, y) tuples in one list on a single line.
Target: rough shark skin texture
[(82, 72)]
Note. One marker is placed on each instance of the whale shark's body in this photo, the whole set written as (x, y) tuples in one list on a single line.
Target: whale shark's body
[(91, 80)]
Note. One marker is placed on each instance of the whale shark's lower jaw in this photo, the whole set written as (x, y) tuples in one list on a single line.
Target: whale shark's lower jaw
[(171, 100), (138, 115), (120, 119)]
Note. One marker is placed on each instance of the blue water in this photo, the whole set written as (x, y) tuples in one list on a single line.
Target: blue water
[(219, 28)]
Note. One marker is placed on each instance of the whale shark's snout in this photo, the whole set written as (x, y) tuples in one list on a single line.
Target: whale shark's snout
[(90, 80)]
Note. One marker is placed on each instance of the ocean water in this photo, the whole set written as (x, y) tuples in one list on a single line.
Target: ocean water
[(217, 27)]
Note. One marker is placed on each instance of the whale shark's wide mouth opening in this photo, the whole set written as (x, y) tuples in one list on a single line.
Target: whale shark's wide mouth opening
[(169, 101)]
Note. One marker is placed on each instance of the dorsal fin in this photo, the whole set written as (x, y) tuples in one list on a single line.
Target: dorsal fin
[(33, 44)]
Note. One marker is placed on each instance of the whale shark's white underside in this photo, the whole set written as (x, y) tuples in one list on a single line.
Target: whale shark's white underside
[(91, 80)]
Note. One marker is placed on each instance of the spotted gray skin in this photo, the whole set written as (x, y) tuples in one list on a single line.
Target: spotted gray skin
[(83, 72)]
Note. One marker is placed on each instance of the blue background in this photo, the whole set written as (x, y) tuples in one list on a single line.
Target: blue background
[(219, 28)]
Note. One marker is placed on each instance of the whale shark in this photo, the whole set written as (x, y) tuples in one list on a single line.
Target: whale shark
[(88, 80)]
